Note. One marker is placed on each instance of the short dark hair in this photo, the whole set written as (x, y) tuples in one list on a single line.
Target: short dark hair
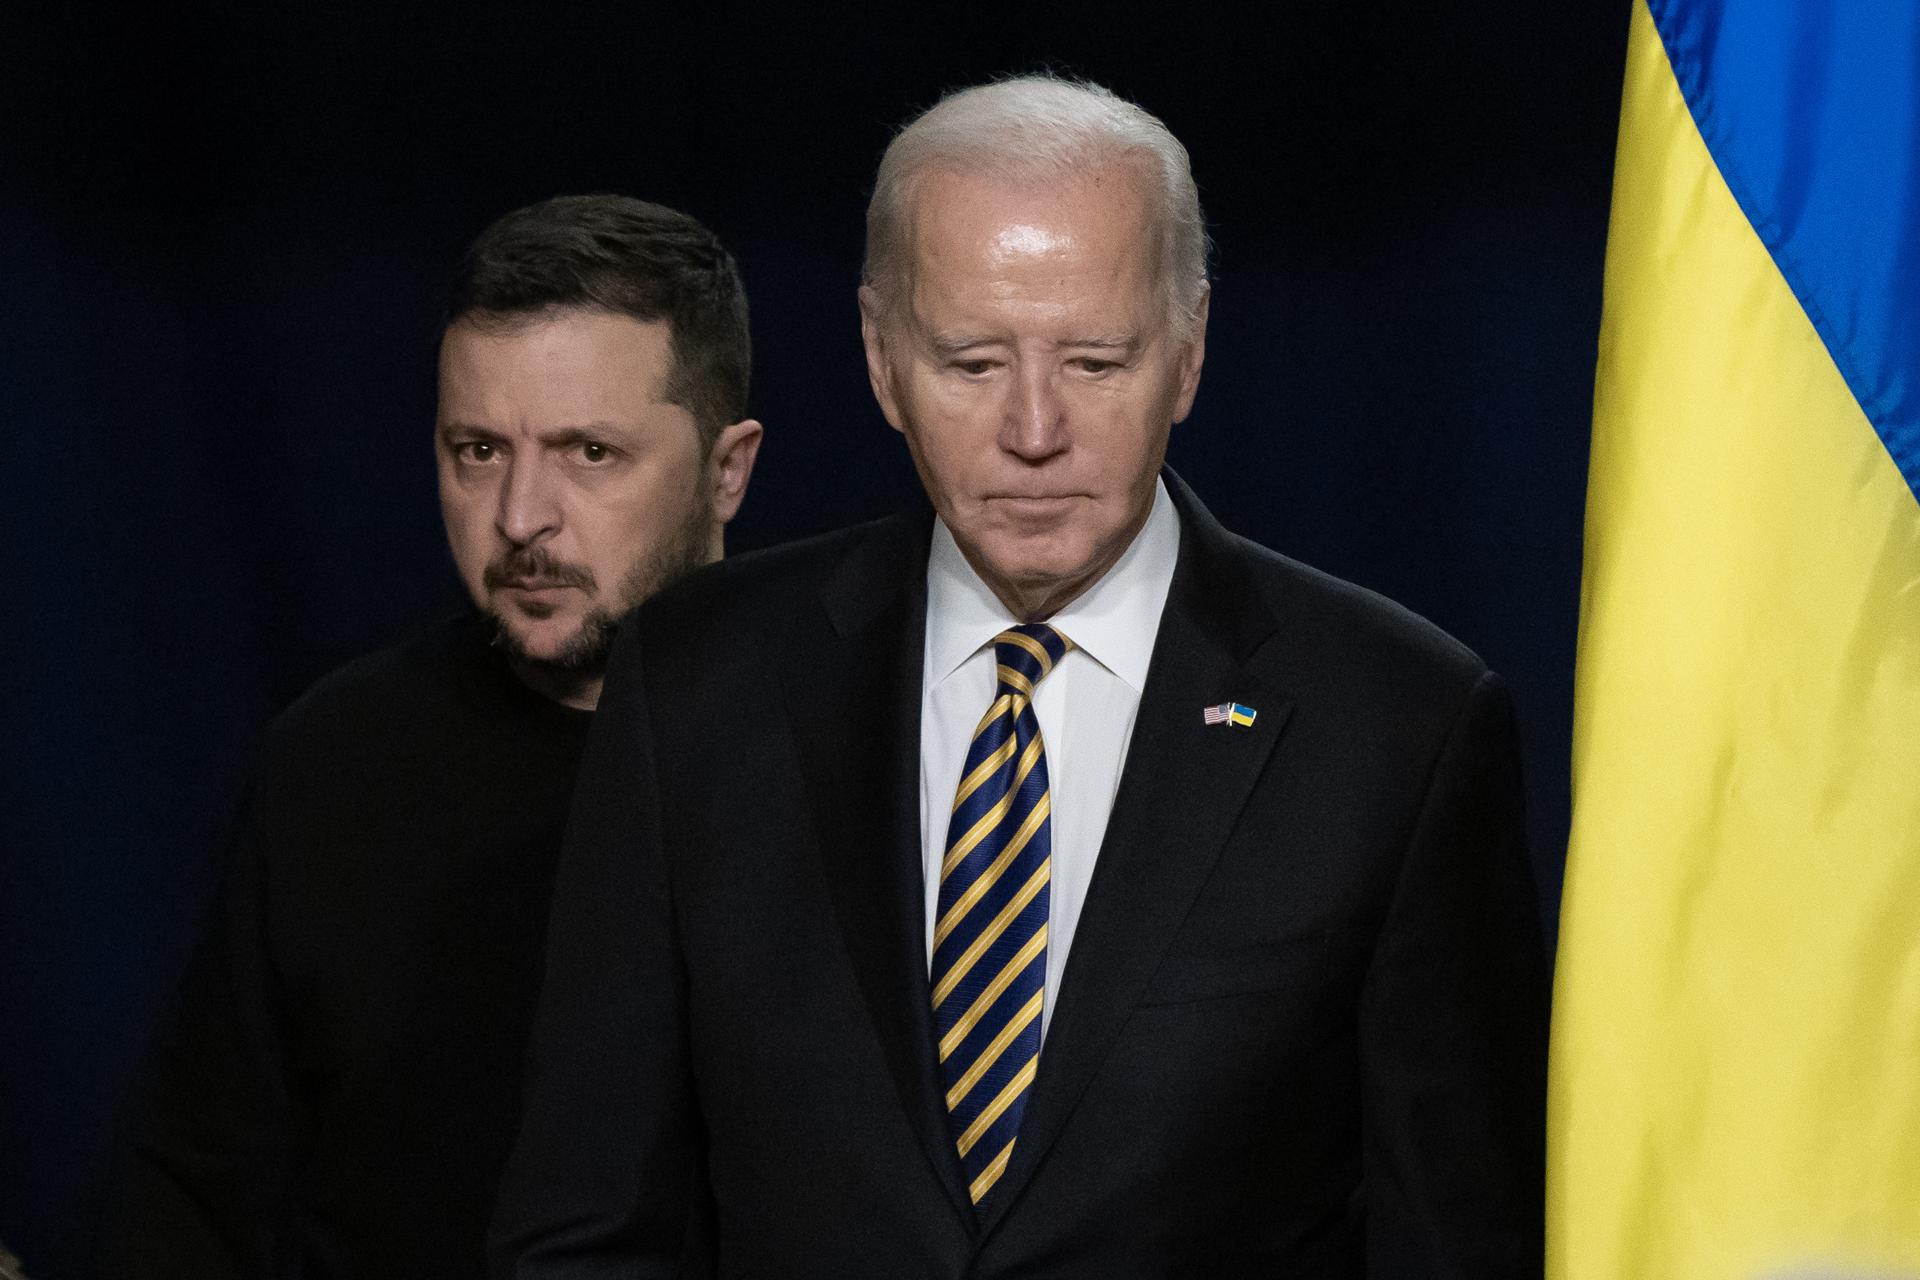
[(629, 257)]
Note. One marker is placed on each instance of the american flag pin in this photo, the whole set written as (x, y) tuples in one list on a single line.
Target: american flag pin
[(1229, 713)]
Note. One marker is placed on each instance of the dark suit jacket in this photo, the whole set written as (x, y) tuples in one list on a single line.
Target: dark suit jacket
[(1301, 1031)]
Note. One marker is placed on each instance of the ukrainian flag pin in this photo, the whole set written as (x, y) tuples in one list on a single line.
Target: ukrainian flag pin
[(1229, 713)]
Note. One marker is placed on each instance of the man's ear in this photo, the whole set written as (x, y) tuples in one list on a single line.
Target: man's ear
[(873, 336), (1192, 356), (730, 466)]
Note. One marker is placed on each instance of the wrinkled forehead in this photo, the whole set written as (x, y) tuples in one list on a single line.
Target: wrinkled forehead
[(1114, 199), (990, 231), (575, 363)]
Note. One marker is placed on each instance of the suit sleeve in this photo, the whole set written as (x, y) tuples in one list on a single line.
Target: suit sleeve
[(1454, 1026), (603, 1179), (201, 1186)]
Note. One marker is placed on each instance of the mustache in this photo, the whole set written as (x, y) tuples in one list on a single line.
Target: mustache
[(535, 564)]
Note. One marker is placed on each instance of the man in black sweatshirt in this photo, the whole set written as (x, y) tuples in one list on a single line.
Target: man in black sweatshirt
[(336, 1085)]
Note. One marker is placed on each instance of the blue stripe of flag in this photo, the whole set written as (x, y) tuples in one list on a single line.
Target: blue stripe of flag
[(1811, 111)]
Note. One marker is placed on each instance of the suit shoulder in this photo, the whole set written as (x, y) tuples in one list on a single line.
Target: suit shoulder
[(749, 591), (1350, 626)]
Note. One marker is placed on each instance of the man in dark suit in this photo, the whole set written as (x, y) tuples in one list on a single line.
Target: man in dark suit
[(1208, 949)]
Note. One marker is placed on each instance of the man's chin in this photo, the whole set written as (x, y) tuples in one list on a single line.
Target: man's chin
[(1034, 563), (1034, 575), (579, 645)]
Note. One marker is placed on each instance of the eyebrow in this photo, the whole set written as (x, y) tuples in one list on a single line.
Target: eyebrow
[(448, 430), (570, 434), (954, 344), (584, 432), (945, 344)]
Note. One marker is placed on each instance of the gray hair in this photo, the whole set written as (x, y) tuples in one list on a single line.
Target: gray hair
[(1038, 131)]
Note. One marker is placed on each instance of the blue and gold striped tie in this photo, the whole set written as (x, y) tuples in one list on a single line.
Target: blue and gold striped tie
[(990, 939)]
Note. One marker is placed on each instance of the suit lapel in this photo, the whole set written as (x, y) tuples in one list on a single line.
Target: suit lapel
[(1181, 790), (854, 704)]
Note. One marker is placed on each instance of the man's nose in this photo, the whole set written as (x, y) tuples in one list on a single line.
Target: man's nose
[(529, 506), (1036, 422)]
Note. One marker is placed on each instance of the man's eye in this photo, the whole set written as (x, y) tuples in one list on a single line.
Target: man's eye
[(476, 451), (593, 452), (1089, 364), (973, 368)]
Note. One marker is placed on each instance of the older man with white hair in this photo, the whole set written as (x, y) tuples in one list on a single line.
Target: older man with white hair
[(1050, 883)]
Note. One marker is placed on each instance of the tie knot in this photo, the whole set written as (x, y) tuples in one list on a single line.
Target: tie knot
[(1026, 654)]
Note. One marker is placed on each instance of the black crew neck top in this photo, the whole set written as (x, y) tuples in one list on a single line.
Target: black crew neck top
[(337, 1084)]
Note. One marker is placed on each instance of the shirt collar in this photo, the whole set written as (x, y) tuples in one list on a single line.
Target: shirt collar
[(1114, 621)]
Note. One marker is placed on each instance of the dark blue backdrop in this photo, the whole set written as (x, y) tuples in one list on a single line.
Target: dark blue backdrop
[(222, 237)]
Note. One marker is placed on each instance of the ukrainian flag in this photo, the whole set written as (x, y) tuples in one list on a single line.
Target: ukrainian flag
[(1736, 1062)]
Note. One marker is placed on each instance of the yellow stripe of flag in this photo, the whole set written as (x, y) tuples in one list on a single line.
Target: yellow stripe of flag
[(1735, 1088)]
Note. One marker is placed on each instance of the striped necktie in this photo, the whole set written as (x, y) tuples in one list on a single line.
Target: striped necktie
[(990, 938)]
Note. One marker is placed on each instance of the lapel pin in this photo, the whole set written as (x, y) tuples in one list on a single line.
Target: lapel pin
[(1230, 713)]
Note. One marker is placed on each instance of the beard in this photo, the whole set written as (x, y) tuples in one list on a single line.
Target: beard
[(585, 651)]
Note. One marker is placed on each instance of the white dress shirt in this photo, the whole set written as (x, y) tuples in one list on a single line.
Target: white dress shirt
[(1085, 706)]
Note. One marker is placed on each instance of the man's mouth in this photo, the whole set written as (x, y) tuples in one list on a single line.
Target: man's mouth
[(1033, 501), (535, 573)]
